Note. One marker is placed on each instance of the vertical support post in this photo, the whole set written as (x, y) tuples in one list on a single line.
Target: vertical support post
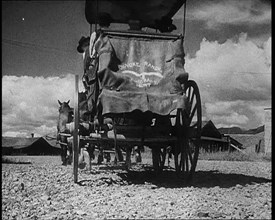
[(91, 29), (75, 134), (184, 19)]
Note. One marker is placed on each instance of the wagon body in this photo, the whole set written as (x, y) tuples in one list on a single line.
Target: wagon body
[(143, 90)]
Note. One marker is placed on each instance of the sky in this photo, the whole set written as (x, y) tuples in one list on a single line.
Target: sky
[(227, 46)]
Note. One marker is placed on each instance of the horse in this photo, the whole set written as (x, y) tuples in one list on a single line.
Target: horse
[(65, 116)]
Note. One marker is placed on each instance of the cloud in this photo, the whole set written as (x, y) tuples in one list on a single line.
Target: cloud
[(216, 13), (227, 113), (236, 113), (29, 104), (232, 77), (15, 134)]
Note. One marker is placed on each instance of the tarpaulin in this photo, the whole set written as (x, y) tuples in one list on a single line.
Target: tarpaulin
[(121, 11), (140, 73)]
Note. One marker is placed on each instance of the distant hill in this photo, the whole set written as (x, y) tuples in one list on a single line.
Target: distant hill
[(255, 130), (231, 130), (237, 130)]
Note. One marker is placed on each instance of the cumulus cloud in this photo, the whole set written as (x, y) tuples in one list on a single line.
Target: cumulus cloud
[(235, 12), (30, 104), (236, 113), (232, 77)]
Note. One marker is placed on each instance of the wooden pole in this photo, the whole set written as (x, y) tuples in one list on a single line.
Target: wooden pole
[(75, 134), (184, 17)]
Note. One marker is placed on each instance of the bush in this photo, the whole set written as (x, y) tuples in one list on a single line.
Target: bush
[(231, 156), (13, 161)]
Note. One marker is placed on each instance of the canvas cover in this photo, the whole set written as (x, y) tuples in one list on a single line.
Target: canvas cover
[(140, 74), (121, 11)]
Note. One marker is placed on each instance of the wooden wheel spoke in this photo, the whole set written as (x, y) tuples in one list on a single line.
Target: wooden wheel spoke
[(193, 112), (190, 155), (178, 120), (192, 98), (187, 165), (181, 162), (189, 92)]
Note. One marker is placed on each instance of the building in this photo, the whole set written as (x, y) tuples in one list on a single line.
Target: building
[(29, 146), (251, 142), (213, 141)]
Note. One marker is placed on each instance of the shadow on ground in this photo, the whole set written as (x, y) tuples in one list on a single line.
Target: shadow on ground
[(169, 179), (208, 179)]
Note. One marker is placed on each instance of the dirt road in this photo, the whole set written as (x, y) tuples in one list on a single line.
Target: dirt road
[(223, 190)]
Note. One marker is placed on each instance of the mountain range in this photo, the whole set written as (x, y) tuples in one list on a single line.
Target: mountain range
[(237, 130)]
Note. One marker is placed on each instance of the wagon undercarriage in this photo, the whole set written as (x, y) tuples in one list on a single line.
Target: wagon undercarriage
[(179, 138)]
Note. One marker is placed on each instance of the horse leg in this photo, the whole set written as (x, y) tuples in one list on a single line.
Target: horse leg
[(137, 151), (63, 154), (107, 156), (119, 154), (70, 151), (100, 155), (128, 157), (169, 154), (91, 149)]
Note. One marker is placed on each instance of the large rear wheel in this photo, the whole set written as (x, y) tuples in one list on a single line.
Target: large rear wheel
[(188, 126)]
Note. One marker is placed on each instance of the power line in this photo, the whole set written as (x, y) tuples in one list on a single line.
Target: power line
[(247, 72), (34, 46), (234, 72)]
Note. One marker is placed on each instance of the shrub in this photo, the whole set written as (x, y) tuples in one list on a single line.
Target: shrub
[(231, 156), (13, 161)]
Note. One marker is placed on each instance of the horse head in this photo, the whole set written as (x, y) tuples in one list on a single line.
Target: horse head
[(65, 113), (65, 116), (65, 107)]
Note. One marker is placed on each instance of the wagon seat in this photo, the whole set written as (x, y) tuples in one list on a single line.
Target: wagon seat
[(140, 72)]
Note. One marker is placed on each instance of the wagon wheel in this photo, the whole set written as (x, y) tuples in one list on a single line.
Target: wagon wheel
[(158, 156), (188, 126)]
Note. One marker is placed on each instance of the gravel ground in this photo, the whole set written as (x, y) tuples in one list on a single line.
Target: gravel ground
[(221, 190)]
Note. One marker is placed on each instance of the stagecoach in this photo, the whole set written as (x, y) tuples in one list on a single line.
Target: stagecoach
[(144, 95)]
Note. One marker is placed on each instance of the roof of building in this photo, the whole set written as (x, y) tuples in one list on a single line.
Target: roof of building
[(30, 146), (210, 130), (21, 142)]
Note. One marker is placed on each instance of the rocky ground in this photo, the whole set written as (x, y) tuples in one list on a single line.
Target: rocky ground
[(43, 189)]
